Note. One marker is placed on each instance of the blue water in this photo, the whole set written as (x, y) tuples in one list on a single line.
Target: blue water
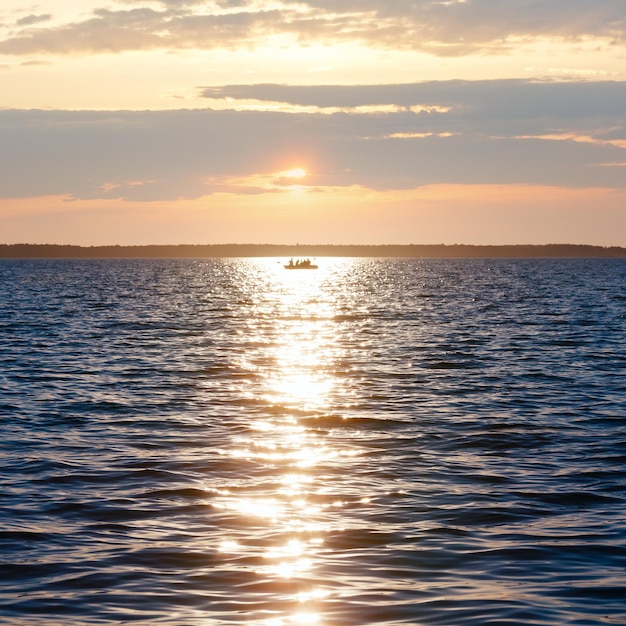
[(203, 442)]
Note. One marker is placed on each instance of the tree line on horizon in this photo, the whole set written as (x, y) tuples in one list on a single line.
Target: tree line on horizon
[(60, 251)]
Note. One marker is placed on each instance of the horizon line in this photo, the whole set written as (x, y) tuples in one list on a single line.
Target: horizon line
[(183, 250)]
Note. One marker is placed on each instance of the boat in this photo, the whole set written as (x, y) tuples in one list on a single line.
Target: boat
[(300, 264)]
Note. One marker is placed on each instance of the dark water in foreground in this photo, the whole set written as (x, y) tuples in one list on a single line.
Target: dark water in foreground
[(212, 442)]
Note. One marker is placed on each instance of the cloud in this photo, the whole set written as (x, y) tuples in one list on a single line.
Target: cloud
[(29, 20), (434, 26), (502, 98), (499, 108), (488, 132), (107, 31)]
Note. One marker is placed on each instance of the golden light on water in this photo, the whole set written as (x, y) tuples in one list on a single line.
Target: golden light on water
[(229, 545), (287, 510), (294, 484), (301, 389), (294, 620)]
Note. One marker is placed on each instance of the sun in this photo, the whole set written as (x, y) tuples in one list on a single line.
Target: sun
[(296, 172)]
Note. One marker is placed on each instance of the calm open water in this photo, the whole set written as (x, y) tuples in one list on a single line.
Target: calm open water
[(203, 442)]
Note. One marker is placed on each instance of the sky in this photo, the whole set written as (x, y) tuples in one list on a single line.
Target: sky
[(313, 121)]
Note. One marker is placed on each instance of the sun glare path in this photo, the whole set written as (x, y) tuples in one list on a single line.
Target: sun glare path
[(279, 503)]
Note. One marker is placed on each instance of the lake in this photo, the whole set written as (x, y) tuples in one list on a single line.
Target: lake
[(378, 441)]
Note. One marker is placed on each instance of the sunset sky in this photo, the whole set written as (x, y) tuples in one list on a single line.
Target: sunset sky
[(313, 121)]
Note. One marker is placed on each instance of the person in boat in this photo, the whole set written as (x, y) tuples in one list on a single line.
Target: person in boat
[(290, 262)]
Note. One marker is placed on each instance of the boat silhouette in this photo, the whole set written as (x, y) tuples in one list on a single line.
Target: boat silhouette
[(300, 264)]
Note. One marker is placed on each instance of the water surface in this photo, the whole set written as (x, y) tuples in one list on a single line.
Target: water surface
[(203, 442)]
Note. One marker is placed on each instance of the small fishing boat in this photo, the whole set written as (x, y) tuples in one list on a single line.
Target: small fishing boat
[(300, 264)]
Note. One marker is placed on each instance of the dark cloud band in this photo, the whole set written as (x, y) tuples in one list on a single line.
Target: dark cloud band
[(494, 132)]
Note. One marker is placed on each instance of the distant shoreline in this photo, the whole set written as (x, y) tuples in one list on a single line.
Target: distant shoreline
[(56, 251)]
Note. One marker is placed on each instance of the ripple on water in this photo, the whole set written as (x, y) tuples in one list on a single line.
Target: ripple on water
[(378, 442)]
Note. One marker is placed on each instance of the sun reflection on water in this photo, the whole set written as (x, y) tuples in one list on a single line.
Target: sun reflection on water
[(279, 499)]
